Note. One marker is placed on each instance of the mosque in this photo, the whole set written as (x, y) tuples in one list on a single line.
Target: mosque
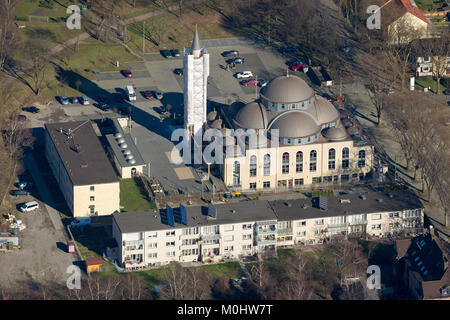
[(311, 146)]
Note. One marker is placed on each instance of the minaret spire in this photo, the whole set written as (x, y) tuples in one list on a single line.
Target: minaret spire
[(196, 44)]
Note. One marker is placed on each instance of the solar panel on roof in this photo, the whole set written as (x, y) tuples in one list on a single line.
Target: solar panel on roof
[(183, 214), (170, 216), (212, 212)]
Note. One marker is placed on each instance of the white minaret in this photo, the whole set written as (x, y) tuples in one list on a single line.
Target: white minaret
[(195, 75)]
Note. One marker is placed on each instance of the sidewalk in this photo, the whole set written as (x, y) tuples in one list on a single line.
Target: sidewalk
[(46, 197)]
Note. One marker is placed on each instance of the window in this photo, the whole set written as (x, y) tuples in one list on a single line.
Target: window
[(247, 226), (228, 238), (92, 188), (253, 166), (170, 254), (189, 242), (313, 161), (247, 247), (316, 180), (228, 248), (189, 252), (228, 227), (152, 255), (298, 182), (152, 245), (285, 163), (267, 165), (92, 209), (345, 158), (301, 223), (299, 162), (210, 230), (189, 231), (170, 233), (253, 185), (376, 216), (361, 159), (327, 179), (318, 222), (152, 234), (376, 227), (319, 232), (331, 159), (266, 184), (236, 173), (246, 236), (92, 198), (170, 244), (301, 234), (345, 177)]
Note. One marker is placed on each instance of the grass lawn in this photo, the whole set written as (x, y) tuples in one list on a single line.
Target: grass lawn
[(428, 81), (224, 270), (90, 241), (131, 197)]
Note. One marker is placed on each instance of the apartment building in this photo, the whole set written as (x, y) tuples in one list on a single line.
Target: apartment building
[(79, 164), (147, 239)]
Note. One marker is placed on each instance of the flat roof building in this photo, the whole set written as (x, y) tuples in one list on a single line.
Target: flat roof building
[(84, 174), (148, 238)]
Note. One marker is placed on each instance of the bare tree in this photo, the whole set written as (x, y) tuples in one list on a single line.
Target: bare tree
[(175, 278), (7, 30), (37, 55)]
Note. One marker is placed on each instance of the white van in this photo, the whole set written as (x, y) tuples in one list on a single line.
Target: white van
[(131, 93), (79, 222), (29, 206)]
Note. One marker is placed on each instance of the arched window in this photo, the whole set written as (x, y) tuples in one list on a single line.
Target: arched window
[(361, 159), (253, 166), (285, 163), (313, 161), (267, 165), (331, 159), (299, 162), (236, 173), (345, 158)]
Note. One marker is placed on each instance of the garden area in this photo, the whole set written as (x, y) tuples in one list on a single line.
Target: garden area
[(132, 197)]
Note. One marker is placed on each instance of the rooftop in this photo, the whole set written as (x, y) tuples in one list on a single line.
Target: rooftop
[(82, 155)]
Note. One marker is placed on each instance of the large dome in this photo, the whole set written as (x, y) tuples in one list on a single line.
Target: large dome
[(323, 111), (295, 124), (251, 116), (287, 89)]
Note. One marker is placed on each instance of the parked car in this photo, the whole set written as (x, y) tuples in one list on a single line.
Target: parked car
[(446, 92), (125, 111), (249, 82), (175, 52), (178, 71), (230, 53), (244, 74), (74, 100), (127, 73), (84, 100), (103, 106), (20, 193), (25, 185), (64, 100), (158, 94), (263, 83), (296, 65), (148, 94), (79, 222), (22, 117), (31, 109), (29, 206), (166, 54), (237, 60)]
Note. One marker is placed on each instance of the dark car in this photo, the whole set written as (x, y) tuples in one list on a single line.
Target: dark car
[(74, 100), (237, 60), (178, 71), (166, 54), (446, 92), (249, 82), (125, 111), (22, 117), (64, 100), (175, 52), (20, 193), (103, 106), (127, 73), (230, 53), (148, 94), (31, 109)]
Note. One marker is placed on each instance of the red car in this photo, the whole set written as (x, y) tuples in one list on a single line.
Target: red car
[(127, 73), (250, 82), (295, 66), (148, 94)]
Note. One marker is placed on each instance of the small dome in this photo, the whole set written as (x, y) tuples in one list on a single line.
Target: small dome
[(212, 115), (124, 146), (295, 124), (129, 157), (131, 161), (287, 89), (118, 135), (216, 124), (251, 116), (335, 134), (120, 140), (323, 111), (126, 152)]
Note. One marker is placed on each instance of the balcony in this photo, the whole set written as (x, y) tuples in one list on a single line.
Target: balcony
[(337, 225), (266, 231), (285, 231), (358, 222)]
